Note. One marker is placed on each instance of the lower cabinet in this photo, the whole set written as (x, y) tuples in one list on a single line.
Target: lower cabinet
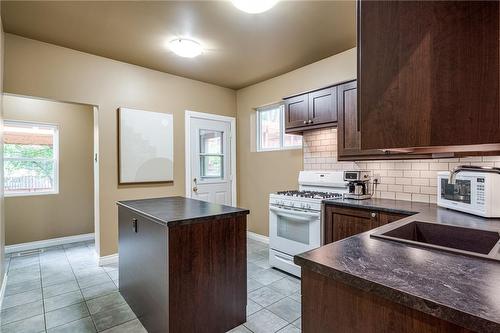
[(343, 222)]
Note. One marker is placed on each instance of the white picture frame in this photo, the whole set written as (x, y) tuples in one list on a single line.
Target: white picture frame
[(145, 147)]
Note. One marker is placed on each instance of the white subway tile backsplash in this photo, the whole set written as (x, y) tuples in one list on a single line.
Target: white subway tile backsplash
[(411, 189), (420, 181), (395, 188), (414, 180), (388, 180), (403, 181), (403, 196), (420, 197), (428, 190)]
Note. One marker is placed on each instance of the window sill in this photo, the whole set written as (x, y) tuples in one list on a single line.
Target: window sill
[(29, 194), (277, 149)]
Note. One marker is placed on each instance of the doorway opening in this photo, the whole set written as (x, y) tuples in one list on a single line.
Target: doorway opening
[(50, 173)]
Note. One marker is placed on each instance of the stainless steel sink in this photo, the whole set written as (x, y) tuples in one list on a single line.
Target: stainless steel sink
[(475, 242)]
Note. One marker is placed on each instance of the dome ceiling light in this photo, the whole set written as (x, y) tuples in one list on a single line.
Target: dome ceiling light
[(254, 6), (186, 48)]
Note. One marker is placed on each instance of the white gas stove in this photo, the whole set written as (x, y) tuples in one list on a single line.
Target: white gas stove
[(295, 222)]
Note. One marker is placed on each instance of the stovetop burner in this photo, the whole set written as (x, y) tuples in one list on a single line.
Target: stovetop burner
[(311, 194)]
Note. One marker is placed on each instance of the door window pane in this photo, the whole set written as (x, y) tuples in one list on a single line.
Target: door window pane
[(211, 154), (210, 142), (212, 166)]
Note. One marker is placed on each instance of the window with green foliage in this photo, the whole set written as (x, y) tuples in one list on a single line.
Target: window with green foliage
[(271, 130), (30, 158)]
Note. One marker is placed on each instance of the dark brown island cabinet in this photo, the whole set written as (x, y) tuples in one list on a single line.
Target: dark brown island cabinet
[(428, 75), (182, 264)]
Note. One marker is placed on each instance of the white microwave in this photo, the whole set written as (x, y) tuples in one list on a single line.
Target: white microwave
[(474, 192)]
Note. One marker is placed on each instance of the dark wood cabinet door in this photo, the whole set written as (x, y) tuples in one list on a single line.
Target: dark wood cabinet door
[(384, 217), (341, 223), (296, 111), (348, 132), (323, 106), (428, 73)]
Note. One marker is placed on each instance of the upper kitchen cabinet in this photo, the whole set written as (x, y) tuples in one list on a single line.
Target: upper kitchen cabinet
[(428, 75), (316, 109), (349, 134)]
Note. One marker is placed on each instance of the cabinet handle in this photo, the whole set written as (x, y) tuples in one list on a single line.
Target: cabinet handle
[(374, 214), (134, 224)]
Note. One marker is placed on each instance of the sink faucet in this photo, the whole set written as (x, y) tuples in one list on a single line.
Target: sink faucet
[(453, 173)]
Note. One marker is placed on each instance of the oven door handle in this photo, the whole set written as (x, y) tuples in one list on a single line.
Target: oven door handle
[(295, 214)]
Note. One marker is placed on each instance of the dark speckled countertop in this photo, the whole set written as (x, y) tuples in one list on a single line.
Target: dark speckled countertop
[(179, 210), (461, 289)]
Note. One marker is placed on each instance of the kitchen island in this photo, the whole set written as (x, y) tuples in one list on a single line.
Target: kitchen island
[(182, 264), (371, 285)]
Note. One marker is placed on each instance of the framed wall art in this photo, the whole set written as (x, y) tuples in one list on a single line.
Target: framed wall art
[(145, 147)]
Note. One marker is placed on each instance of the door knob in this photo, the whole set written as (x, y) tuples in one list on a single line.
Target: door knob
[(195, 187)]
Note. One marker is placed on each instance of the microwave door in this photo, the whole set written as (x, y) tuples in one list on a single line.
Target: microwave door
[(459, 192)]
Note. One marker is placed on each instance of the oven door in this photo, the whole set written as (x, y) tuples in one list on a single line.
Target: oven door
[(293, 231)]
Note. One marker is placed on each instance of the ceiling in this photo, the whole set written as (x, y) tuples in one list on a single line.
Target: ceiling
[(240, 48)]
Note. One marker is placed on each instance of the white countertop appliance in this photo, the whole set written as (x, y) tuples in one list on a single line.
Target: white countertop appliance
[(470, 189), (295, 221)]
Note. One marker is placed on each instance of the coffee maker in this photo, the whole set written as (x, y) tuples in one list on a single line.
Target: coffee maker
[(359, 185)]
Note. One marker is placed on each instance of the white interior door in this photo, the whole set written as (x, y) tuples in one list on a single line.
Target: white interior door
[(210, 160)]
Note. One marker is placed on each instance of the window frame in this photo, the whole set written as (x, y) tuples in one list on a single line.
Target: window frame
[(55, 159), (282, 146)]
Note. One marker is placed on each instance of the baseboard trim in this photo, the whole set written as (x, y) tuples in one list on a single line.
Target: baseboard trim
[(108, 260), (48, 242), (258, 237), (2, 290)]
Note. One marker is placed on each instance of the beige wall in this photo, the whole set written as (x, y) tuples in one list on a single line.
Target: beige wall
[(70, 212), (34, 68), (260, 173)]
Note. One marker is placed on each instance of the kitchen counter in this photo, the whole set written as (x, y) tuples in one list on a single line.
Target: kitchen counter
[(460, 289), (179, 210), (182, 264)]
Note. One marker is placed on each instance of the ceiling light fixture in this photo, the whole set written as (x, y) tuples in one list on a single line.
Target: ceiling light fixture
[(186, 48), (254, 6)]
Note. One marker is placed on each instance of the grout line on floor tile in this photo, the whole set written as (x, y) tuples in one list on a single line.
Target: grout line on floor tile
[(80, 289)]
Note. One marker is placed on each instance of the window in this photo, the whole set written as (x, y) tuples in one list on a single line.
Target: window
[(30, 158), (271, 130), (211, 154)]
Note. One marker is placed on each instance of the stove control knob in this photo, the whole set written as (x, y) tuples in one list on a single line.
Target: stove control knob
[(302, 205), (308, 206), (292, 204)]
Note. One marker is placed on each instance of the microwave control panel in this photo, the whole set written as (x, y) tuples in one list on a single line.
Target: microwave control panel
[(480, 191)]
